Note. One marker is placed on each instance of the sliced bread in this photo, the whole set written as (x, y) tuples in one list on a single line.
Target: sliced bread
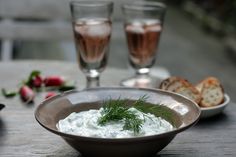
[(190, 92), (212, 92), (181, 86), (165, 83)]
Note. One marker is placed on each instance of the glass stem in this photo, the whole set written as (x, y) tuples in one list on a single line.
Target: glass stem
[(92, 82), (143, 72)]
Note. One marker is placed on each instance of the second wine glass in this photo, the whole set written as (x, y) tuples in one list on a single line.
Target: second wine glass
[(91, 22), (143, 25)]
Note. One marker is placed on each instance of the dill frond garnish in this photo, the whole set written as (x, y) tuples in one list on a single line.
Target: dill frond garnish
[(116, 110), (158, 110)]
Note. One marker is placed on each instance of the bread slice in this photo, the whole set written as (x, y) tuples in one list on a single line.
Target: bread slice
[(212, 92), (199, 86), (181, 86), (190, 92), (210, 80), (172, 83), (179, 82), (165, 83)]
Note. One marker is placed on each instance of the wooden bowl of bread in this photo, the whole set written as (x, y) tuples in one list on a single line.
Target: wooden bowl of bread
[(208, 93)]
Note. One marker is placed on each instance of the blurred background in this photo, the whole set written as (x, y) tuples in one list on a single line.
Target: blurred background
[(198, 38)]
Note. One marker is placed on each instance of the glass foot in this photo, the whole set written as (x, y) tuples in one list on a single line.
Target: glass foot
[(143, 81)]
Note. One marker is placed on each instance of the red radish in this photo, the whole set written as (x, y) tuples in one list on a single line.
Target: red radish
[(50, 94), (27, 94), (37, 81), (54, 81)]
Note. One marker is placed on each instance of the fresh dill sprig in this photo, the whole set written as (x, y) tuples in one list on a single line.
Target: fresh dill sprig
[(133, 123), (158, 110), (113, 110), (116, 110)]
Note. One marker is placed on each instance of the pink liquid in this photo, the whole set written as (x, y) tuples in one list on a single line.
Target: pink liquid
[(92, 38), (143, 39)]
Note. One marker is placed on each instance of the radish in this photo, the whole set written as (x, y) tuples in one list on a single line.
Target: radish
[(27, 94), (37, 81), (50, 94), (54, 81)]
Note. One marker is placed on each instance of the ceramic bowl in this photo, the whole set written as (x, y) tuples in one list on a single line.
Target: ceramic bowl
[(208, 112), (185, 113)]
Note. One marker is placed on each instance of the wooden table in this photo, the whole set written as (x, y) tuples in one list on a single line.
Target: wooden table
[(22, 136)]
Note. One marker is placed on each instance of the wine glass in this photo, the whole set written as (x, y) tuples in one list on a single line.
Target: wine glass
[(91, 21), (143, 23)]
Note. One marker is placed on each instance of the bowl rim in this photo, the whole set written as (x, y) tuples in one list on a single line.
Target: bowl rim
[(222, 105), (111, 140)]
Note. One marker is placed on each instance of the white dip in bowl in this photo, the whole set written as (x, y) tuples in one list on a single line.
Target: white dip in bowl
[(85, 123)]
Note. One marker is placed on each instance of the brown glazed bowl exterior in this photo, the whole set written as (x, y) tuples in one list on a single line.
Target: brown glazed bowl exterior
[(185, 114)]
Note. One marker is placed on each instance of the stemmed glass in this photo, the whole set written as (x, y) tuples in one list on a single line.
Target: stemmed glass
[(91, 21), (143, 23)]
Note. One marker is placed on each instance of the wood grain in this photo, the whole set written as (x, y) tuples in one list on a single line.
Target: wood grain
[(22, 136)]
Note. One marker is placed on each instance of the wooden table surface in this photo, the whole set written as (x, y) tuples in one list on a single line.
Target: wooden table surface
[(22, 136)]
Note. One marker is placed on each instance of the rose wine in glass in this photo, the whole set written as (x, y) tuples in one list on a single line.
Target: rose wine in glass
[(92, 38), (142, 38), (92, 31), (143, 27)]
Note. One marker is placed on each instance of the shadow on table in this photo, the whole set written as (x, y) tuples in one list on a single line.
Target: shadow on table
[(168, 155), (2, 131), (65, 151), (218, 119), (79, 155)]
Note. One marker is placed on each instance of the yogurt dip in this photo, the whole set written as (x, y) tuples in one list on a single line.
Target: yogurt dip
[(85, 123)]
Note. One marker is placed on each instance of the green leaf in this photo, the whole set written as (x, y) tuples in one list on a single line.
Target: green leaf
[(8, 94), (67, 86), (33, 74)]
